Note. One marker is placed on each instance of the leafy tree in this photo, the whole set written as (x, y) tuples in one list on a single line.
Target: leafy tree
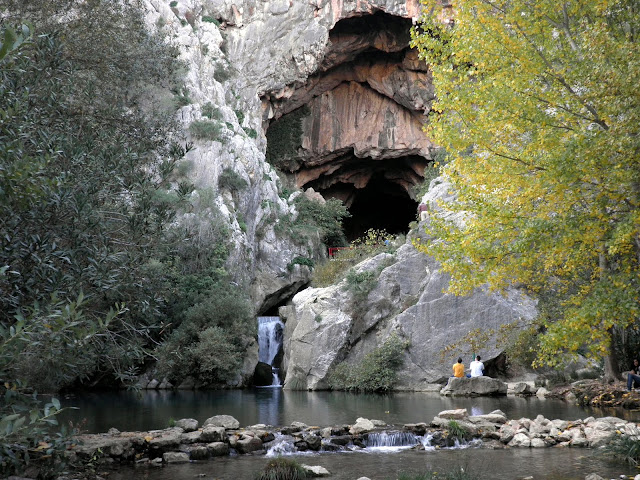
[(85, 171), (539, 109)]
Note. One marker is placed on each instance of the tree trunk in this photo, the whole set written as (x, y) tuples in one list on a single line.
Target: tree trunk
[(611, 370)]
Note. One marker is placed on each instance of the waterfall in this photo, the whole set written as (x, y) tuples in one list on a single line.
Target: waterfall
[(270, 333), (392, 439)]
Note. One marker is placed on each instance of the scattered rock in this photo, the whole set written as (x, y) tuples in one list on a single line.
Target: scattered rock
[(187, 424), (213, 434), (218, 449), (175, 457), (362, 425), (316, 470), (226, 421)]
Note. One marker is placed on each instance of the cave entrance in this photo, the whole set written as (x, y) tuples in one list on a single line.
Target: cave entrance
[(381, 205), (353, 130)]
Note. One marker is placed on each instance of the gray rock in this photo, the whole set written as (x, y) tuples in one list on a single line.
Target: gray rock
[(218, 449), (520, 440), (314, 441), (226, 421), (362, 425), (187, 424), (153, 384), (458, 414), (593, 476), (538, 443), (248, 445), (175, 457), (316, 470), (213, 434), (476, 386), (191, 437), (521, 388), (199, 453), (542, 392)]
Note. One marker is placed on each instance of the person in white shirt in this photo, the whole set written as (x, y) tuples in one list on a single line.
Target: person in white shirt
[(477, 367)]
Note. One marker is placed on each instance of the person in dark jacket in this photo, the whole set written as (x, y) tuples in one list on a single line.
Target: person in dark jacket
[(634, 375)]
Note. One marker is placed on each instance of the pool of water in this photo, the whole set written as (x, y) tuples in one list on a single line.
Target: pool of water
[(148, 410), (510, 464)]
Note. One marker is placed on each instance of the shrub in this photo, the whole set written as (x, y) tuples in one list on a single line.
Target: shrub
[(251, 132), (284, 137), (371, 244), (173, 4), (231, 180), (211, 112), (625, 448), (300, 260), (205, 129), (222, 72), (375, 373), (326, 217), (455, 430), (282, 469), (240, 116), (208, 19)]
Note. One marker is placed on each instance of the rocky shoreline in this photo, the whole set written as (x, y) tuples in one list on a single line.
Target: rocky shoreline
[(222, 435)]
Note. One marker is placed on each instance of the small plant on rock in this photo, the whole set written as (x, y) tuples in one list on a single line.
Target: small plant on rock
[(455, 430), (626, 448)]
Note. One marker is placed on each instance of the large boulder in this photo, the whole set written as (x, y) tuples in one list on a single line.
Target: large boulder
[(476, 386), (226, 421), (408, 301), (263, 375)]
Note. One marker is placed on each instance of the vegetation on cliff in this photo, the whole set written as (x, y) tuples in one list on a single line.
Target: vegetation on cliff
[(539, 110)]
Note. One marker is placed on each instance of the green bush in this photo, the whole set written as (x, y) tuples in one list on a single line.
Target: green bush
[(455, 430), (251, 132), (230, 180), (625, 448), (372, 243), (173, 4), (282, 469), (375, 373), (239, 116), (205, 130), (208, 19), (211, 111), (222, 72), (284, 137), (326, 217), (300, 260)]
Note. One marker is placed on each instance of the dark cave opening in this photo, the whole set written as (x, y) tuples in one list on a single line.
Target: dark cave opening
[(381, 205)]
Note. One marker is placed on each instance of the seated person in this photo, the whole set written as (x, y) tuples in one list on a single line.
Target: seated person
[(458, 369), (634, 375), (477, 367)]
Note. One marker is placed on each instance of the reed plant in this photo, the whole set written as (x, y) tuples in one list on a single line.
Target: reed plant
[(282, 469)]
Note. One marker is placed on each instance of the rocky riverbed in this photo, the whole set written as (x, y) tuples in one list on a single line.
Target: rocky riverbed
[(222, 435)]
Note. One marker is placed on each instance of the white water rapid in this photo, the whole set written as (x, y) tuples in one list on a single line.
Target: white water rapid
[(270, 332)]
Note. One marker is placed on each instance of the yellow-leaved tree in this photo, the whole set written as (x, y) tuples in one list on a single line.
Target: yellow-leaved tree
[(539, 108)]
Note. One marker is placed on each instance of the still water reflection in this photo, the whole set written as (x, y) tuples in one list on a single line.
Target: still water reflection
[(149, 410)]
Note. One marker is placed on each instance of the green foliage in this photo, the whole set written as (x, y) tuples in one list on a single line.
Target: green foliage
[(455, 430), (284, 137), (173, 4), (375, 373), (282, 469), (13, 39), (533, 108), (211, 111), (208, 19), (371, 244), (181, 97), (172, 422), (230, 180), (300, 260), (360, 284), (84, 171), (205, 130), (222, 72), (239, 116), (327, 218), (251, 132), (625, 448), (30, 442)]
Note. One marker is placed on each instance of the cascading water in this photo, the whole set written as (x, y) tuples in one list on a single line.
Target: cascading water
[(270, 333)]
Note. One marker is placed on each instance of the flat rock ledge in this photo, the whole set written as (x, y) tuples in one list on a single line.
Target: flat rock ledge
[(476, 386), (448, 428)]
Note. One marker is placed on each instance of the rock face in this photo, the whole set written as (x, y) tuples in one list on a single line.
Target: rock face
[(476, 386), (348, 66), (408, 301)]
